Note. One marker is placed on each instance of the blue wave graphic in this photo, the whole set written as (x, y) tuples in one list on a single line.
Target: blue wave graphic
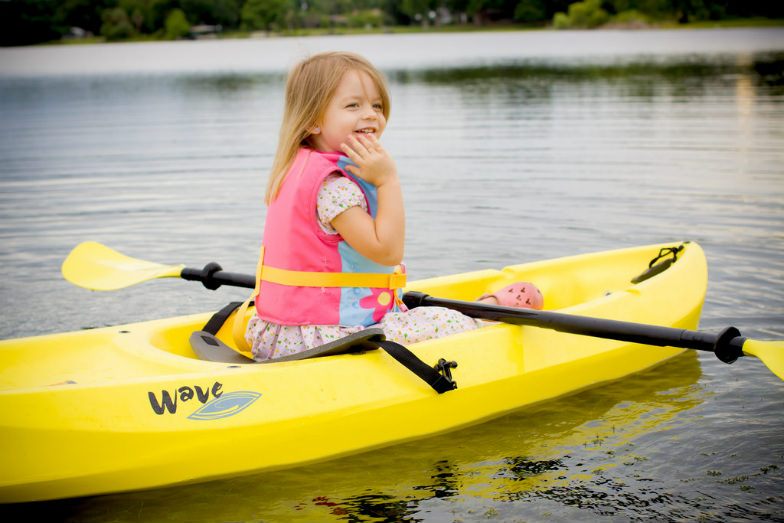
[(228, 404)]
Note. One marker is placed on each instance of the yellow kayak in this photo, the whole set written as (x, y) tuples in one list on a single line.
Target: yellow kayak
[(132, 406)]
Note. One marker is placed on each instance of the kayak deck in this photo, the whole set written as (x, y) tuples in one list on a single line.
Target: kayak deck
[(121, 352), (132, 407)]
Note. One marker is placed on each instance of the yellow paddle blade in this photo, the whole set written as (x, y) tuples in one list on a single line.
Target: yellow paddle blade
[(770, 352), (95, 266)]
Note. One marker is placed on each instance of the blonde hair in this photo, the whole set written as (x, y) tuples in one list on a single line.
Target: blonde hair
[(309, 89)]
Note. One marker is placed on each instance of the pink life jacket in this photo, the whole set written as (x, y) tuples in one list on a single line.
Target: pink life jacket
[(310, 277)]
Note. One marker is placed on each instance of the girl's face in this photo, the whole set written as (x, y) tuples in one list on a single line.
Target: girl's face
[(355, 108)]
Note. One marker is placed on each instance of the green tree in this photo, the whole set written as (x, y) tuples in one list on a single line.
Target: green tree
[(264, 14), (177, 25), (156, 12), (137, 13), (587, 14), (143, 16), (28, 21), (116, 24), (223, 12), (531, 11), (367, 18), (417, 10), (488, 10), (86, 14)]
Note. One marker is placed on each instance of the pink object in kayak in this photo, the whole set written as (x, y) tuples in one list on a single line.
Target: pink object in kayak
[(522, 294)]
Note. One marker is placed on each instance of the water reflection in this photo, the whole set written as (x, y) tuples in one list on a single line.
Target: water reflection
[(767, 66), (770, 71), (228, 84)]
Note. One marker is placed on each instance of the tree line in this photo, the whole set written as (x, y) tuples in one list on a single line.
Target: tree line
[(24, 22)]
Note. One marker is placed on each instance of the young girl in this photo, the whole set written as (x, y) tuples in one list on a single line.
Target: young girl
[(335, 227)]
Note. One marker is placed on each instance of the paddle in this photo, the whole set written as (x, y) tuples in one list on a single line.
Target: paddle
[(728, 345), (95, 266)]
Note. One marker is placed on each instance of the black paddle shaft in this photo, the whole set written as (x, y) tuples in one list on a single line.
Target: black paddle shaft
[(727, 345)]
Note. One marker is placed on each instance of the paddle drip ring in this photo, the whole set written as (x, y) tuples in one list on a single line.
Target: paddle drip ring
[(206, 276), (729, 345)]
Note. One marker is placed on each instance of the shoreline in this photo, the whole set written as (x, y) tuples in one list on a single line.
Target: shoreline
[(393, 52), (465, 28)]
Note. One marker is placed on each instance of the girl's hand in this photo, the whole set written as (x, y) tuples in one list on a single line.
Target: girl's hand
[(375, 164), (381, 239)]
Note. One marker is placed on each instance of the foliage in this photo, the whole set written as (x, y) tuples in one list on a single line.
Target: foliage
[(30, 21), (225, 13), (531, 11), (116, 24), (177, 25), (263, 14), (582, 15), (369, 18), (631, 17)]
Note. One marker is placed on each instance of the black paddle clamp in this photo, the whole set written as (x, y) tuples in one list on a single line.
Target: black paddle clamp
[(204, 275), (729, 345)]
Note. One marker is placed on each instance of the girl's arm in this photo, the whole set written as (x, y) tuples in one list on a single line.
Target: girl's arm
[(381, 239)]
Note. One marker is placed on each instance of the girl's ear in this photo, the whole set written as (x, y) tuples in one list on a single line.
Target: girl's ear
[(314, 130)]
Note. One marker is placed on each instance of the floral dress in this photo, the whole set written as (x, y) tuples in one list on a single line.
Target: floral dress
[(270, 340)]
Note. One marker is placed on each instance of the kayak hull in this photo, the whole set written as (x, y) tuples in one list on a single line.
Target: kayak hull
[(130, 407)]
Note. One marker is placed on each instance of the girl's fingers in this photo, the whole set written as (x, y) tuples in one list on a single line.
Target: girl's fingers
[(350, 151), (355, 150), (372, 141), (362, 150), (360, 144)]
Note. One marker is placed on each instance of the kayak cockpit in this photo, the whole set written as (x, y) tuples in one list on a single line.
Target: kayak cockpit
[(583, 284)]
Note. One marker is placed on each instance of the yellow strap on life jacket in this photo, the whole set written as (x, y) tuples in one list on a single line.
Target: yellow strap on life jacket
[(393, 281), (333, 279)]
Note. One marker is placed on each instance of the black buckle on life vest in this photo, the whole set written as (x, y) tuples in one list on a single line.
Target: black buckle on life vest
[(444, 368)]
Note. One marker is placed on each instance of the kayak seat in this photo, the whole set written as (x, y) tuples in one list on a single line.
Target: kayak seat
[(208, 347)]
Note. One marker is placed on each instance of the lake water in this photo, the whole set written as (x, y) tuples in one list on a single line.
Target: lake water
[(512, 147)]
